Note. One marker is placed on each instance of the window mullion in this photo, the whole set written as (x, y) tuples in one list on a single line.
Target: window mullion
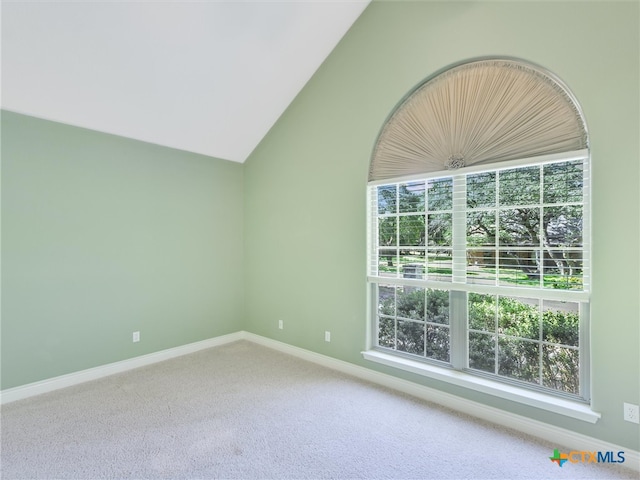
[(372, 229), (458, 298), (497, 238), (541, 233), (458, 321), (459, 234), (586, 215)]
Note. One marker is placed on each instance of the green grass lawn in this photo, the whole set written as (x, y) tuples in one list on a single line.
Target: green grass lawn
[(506, 275)]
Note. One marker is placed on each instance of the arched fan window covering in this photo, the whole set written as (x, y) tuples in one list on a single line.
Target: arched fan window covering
[(482, 111)]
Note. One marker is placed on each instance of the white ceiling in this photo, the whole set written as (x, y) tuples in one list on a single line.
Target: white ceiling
[(209, 77)]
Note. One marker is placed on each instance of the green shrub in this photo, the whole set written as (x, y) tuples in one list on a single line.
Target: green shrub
[(518, 328)]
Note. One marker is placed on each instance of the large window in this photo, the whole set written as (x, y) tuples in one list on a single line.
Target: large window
[(486, 271), (479, 234)]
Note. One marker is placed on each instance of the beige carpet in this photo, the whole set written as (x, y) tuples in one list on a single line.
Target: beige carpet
[(245, 411)]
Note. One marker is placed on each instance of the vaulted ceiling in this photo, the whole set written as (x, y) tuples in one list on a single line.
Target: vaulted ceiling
[(209, 77)]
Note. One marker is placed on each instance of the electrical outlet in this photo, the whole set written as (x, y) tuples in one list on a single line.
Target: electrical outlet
[(327, 336), (136, 337), (280, 324), (631, 413)]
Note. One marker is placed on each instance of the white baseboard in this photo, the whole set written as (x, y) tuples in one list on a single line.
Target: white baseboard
[(55, 383), (555, 435)]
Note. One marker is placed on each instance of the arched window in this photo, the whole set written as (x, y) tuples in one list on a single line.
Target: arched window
[(479, 229)]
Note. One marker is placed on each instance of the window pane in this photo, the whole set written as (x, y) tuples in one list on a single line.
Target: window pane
[(560, 322), (563, 269), (519, 317), (561, 368), (520, 227), (481, 190), (412, 197), (481, 266), (410, 337), (438, 306), (388, 262), (410, 302), (482, 352), (563, 182), (412, 263), (481, 228), (520, 186), (440, 194), (412, 230), (438, 342), (386, 332), (562, 226), (439, 229), (439, 264), (482, 312), (387, 300), (519, 268), (387, 234), (387, 195), (518, 359)]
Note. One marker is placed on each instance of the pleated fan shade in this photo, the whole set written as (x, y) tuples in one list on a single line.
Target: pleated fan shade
[(483, 111)]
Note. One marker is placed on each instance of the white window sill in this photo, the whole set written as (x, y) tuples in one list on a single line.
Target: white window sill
[(550, 403)]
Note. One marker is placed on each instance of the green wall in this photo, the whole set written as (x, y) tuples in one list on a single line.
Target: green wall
[(103, 236), (305, 183)]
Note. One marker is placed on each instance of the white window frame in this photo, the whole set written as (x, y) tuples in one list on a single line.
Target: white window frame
[(457, 373)]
